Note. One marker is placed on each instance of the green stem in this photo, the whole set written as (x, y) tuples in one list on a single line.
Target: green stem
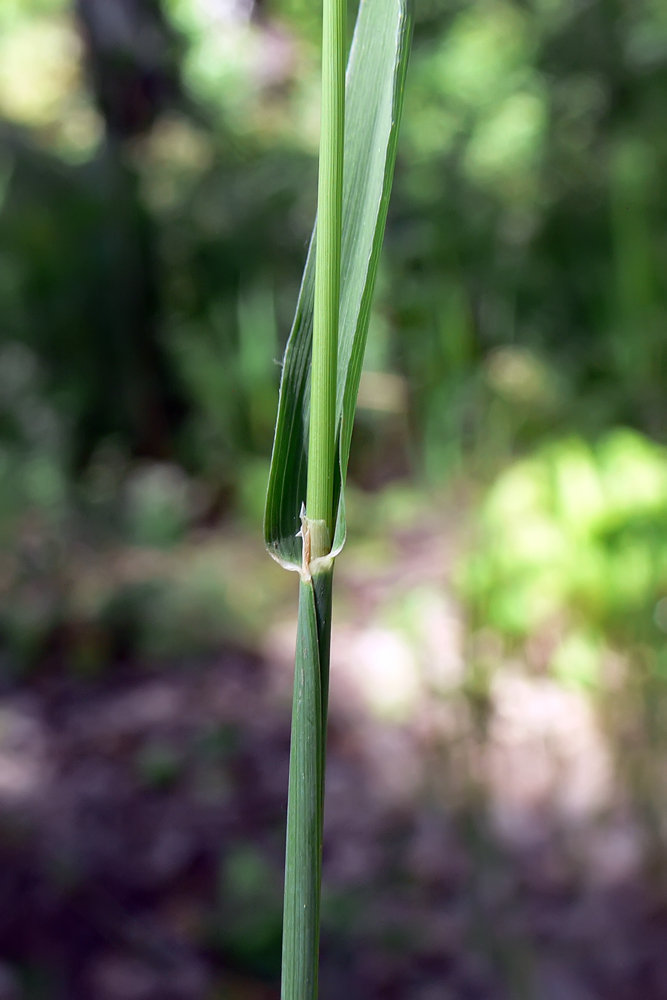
[(322, 432), (305, 803)]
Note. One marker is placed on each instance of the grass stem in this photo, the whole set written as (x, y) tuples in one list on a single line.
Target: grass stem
[(325, 353), (322, 431), (305, 804)]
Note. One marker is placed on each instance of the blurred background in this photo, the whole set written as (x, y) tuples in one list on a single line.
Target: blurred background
[(497, 787)]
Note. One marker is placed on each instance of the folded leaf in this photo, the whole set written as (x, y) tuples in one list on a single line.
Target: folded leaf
[(374, 96)]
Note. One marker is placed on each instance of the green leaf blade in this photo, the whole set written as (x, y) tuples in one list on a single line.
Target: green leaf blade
[(374, 95)]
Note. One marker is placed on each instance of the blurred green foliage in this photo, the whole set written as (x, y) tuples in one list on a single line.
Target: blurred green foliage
[(574, 539), (157, 189), (249, 925)]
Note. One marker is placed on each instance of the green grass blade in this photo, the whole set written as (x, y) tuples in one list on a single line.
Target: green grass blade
[(303, 862), (374, 94)]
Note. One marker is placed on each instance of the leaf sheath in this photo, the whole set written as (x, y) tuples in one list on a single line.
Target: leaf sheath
[(303, 863)]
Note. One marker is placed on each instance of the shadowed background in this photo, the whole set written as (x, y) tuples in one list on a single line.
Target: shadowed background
[(496, 789)]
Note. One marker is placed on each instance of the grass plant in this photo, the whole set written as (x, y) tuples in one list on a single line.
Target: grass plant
[(305, 509)]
